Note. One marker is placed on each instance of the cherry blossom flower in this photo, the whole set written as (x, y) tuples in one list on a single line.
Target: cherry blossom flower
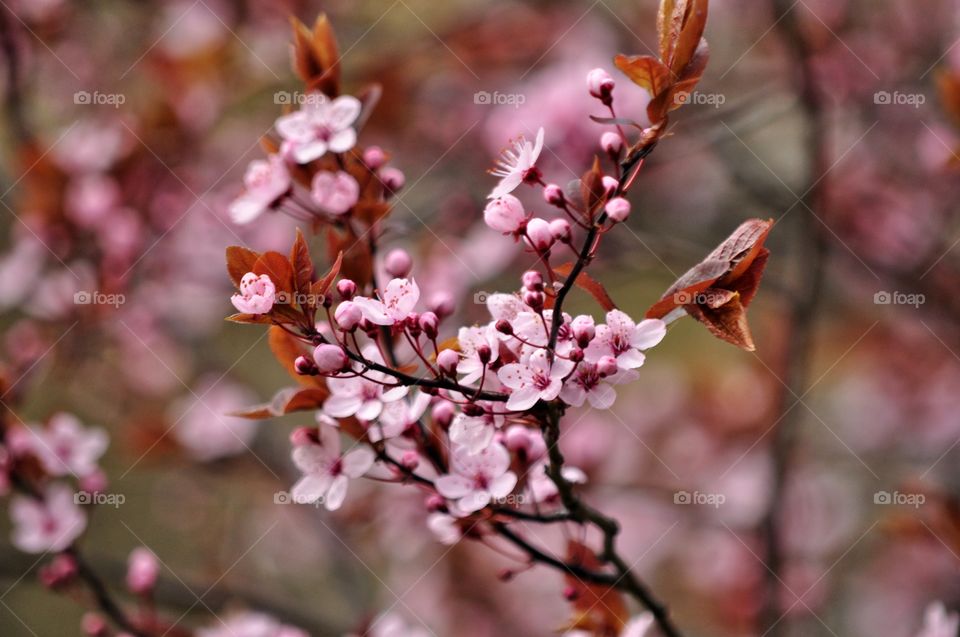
[(541, 488), (398, 301), (534, 380), (203, 424), (250, 624), (361, 396), (65, 447), (143, 568), (335, 193), (399, 416), (623, 339), (257, 294), (472, 432), (444, 528), (266, 181), (476, 479), (51, 523), (472, 340), (937, 622), (327, 471), (320, 125), (504, 214), (588, 384), (516, 165)]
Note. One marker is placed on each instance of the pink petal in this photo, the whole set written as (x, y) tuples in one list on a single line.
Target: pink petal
[(311, 488), (336, 493), (358, 461), (503, 486), (453, 486)]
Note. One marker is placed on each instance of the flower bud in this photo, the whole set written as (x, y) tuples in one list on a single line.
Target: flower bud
[(429, 323), (570, 593), (618, 209), (410, 460), (398, 263), (473, 410), (607, 366), (374, 157), (435, 502), (447, 361), (534, 299), (305, 367), (600, 84), (143, 569), (612, 143), (504, 327), (94, 482), (609, 184), (575, 355), (484, 353), (553, 195), (348, 316), (443, 413), (330, 358), (93, 625), (539, 235), (441, 304), (393, 179), (346, 289), (60, 572), (584, 329), (504, 214), (560, 228), (304, 436), (532, 280)]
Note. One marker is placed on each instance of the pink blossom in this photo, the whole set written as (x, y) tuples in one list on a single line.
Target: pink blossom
[(398, 263), (588, 383), (250, 624), (361, 396), (937, 622), (504, 214), (89, 198), (541, 488), (329, 358), (472, 340), (257, 294), (476, 479), (599, 83), (203, 425), (611, 142), (539, 234), (265, 181), (623, 339), (534, 380), (516, 164), (64, 447), (398, 301), (618, 209), (335, 193), (399, 416), (143, 569), (327, 471), (473, 433), (320, 125), (444, 528), (51, 523)]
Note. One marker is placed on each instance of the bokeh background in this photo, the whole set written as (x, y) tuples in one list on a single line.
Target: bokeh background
[(127, 126)]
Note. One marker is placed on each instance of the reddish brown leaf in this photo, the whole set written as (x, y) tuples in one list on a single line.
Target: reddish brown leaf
[(591, 188), (316, 55), (727, 321), (948, 85), (600, 609), (302, 264), (240, 260), (320, 287), (645, 71), (259, 319), (278, 268), (590, 285), (286, 349)]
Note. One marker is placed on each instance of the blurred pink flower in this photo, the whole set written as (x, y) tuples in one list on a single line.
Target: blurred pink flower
[(335, 193), (265, 181), (203, 426), (250, 624), (65, 447), (143, 568), (49, 524), (937, 622)]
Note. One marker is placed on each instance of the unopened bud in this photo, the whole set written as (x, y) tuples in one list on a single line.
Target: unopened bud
[(143, 569), (93, 625), (374, 157), (410, 460), (330, 358), (618, 209), (539, 235), (346, 289), (553, 195), (305, 366), (609, 184), (534, 299), (443, 414), (583, 329), (532, 280), (607, 366), (561, 230), (304, 436), (484, 353), (429, 323), (504, 327), (447, 361), (348, 316), (393, 179), (600, 84), (398, 263), (575, 355), (612, 143)]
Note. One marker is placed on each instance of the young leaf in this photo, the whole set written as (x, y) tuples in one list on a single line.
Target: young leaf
[(302, 264), (278, 268), (320, 287), (286, 349), (240, 260), (590, 285), (599, 609), (316, 57)]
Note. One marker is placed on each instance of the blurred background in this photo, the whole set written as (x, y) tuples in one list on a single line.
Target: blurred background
[(126, 130)]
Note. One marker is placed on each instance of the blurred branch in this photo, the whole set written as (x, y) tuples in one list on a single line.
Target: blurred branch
[(13, 100), (811, 248)]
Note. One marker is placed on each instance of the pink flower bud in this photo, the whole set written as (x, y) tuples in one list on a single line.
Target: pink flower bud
[(517, 437), (618, 209), (330, 358), (94, 482), (346, 289), (484, 353), (504, 214), (553, 195), (570, 593), (447, 361), (393, 179), (539, 235), (534, 299), (398, 263), (584, 329), (609, 184), (410, 460), (443, 414), (143, 569), (532, 280), (374, 157), (607, 366), (435, 502), (612, 143), (473, 410), (302, 436), (93, 625), (599, 83), (560, 228), (348, 316), (575, 355), (441, 304), (60, 572), (504, 327), (429, 323), (305, 367)]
